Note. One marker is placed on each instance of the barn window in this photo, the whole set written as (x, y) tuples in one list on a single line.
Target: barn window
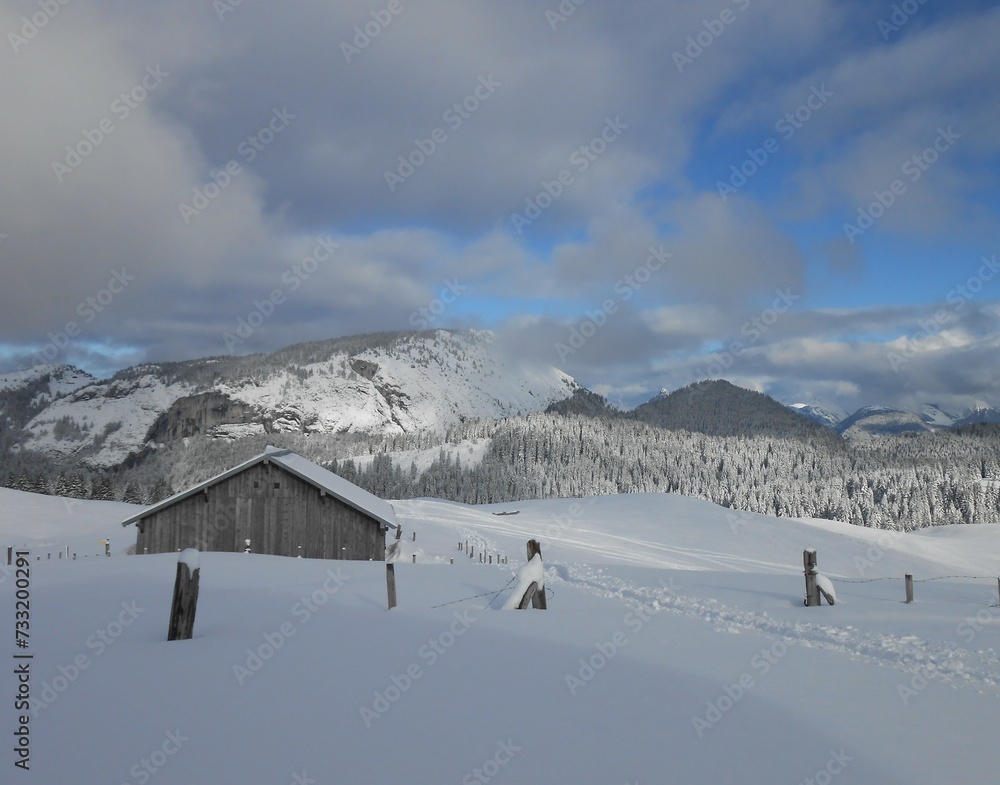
[(277, 485), (256, 483)]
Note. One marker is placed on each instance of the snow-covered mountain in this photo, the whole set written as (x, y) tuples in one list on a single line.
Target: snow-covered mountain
[(719, 408), (879, 420), (53, 381), (823, 412), (936, 417), (384, 383), (873, 421), (981, 414)]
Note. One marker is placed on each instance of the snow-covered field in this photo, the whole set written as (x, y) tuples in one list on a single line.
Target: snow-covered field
[(676, 649)]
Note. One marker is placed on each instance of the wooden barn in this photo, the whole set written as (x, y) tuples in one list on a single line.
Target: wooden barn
[(277, 503)]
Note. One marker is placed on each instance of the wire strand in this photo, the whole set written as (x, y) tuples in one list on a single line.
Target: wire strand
[(477, 596)]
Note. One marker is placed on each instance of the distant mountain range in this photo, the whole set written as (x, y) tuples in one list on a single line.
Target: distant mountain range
[(877, 420), (379, 385)]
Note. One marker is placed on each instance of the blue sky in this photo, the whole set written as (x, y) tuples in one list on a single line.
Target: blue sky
[(535, 154)]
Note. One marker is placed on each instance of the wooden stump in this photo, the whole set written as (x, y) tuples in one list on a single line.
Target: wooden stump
[(390, 584), (538, 597), (809, 567), (185, 602)]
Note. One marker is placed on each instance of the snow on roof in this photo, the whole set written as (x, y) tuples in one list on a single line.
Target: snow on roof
[(305, 470)]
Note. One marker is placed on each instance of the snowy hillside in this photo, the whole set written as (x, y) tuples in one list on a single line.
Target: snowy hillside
[(61, 379), (675, 649), (874, 421), (827, 414), (936, 417), (409, 382)]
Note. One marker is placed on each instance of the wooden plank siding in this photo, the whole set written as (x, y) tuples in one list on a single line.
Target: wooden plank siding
[(274, 509)]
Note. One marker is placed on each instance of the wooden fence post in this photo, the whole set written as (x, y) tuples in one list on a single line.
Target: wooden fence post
[(809, 567), (10, 555), (185, 602), (538, 596), (909, 588), (390, 584)]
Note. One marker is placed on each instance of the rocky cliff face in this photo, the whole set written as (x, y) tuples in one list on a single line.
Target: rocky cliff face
[(198, 414)]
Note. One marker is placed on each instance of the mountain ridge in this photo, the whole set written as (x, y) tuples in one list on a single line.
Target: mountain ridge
[(384, 383)]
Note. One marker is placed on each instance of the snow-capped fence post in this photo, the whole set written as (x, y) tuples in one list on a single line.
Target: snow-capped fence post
[(909, 588), (538, 595), (185, 602), (390, 584), (812, 589)]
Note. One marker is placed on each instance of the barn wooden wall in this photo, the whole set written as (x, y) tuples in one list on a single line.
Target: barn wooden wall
[(276, 520)]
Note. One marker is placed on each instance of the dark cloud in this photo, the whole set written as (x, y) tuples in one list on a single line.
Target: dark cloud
[(232, 146)]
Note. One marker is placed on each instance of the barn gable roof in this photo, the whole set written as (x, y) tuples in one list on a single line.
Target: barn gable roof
[(307, 471)]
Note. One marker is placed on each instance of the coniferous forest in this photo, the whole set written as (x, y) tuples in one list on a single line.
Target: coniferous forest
[(746, 453)]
